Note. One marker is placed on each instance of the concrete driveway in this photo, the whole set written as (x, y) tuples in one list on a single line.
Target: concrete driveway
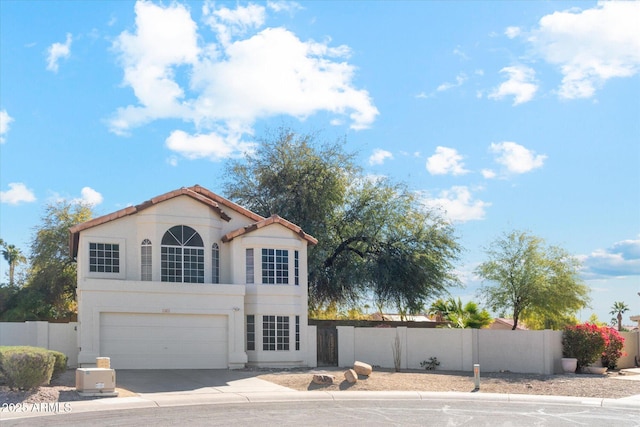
[(192, 381)]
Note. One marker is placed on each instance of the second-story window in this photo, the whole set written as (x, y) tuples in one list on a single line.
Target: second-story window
[(145, 261), (215, 263), (275, 266), (182, 256)]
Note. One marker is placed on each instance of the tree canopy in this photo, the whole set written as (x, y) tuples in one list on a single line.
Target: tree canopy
[(375, 238), (532, 280), (50, 283)]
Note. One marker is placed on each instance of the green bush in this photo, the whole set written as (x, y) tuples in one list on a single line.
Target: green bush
[(60, 364), (25, 368)]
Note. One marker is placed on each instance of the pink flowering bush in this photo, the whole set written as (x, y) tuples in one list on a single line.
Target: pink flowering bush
[(584, 342), (613, 344)]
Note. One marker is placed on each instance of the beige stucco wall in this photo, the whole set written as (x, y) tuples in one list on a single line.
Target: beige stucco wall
[(456, 349), (61, 337), (116, 296), (125, 293)]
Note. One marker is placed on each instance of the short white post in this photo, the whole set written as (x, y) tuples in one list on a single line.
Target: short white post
[(476, 375)]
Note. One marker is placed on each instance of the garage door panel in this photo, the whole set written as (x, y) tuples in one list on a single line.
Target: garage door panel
[(147, 333), (164, 341)]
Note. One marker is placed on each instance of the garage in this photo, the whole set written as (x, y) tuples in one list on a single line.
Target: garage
[(164, 341)]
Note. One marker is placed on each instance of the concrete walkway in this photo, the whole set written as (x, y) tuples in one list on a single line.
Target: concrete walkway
[(155, 388)]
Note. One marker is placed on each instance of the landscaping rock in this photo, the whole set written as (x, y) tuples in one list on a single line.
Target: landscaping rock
[(323, 379), (351, 376), (362, 368)]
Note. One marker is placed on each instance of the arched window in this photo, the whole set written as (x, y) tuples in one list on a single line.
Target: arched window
[(145, 261), (182, 255), (215, 263)]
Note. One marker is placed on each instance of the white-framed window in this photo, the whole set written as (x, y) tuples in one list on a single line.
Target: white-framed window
[(146, 272), (296, 267), (297, 332), (251, 332), (249, 269), (275, 266), (275, 333), (104, 257), (215, 263), (182, 256)]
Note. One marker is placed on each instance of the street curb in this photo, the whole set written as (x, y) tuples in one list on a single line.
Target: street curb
[(156, 400)]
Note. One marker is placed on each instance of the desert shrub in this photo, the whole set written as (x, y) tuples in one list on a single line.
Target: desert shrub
[(584, 342), (613, 345), (60, 364), (25, 368)]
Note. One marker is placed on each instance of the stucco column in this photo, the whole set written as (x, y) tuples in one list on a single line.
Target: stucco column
[(237, 356)]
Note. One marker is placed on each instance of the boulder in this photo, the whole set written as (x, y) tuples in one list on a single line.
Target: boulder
[(362, 368), (323, 379), (351, 376)]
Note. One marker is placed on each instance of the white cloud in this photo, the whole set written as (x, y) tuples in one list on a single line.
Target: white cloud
[(172, 161), (284, 6), (460, 53), (446, 161), (5, 121), (17, 193), (458, 204), (488, 173), (520, 83), (516, 158), (379, 156), (165, 37), (222, 94), (590, 46), (89, 196), (621, 259), (512, 32), (233, 22), (210, 146), (460, 79), (58, 51)]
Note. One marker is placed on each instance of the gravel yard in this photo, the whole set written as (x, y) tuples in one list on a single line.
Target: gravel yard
[(612, 385)]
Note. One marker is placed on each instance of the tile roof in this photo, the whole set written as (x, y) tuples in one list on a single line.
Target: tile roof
[(274, 219), (201, 194)]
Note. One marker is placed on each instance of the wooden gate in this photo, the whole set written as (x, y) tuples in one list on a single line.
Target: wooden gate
[(327, 345)]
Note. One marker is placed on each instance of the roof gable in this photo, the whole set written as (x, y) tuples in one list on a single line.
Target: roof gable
[(274, 219), (218, 204)]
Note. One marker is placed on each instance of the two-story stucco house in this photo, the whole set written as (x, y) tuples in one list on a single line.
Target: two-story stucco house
[(191, 280)]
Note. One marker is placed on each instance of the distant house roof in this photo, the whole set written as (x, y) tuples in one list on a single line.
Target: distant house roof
[(201, 194), (504, 322), (399, 318)]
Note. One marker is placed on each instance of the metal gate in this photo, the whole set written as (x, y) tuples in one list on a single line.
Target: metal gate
[(327, 346)]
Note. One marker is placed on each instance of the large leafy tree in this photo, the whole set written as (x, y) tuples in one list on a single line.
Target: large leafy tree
[(531, 280), (49, 291), (618, 309), (375, 238)]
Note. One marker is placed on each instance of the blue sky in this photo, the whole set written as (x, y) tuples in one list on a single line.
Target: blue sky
[(505, 115)]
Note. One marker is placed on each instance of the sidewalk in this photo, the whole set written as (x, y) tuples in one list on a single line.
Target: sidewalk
[(171, 388)]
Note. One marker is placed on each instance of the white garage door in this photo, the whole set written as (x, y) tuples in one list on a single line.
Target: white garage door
[(164, 341)]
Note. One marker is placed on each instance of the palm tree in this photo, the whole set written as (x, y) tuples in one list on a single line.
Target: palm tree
[(14, 257), (467, 316), (618, 308)]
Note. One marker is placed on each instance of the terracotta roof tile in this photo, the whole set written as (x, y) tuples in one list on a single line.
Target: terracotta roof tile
[(274, 219), (216, 202)]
